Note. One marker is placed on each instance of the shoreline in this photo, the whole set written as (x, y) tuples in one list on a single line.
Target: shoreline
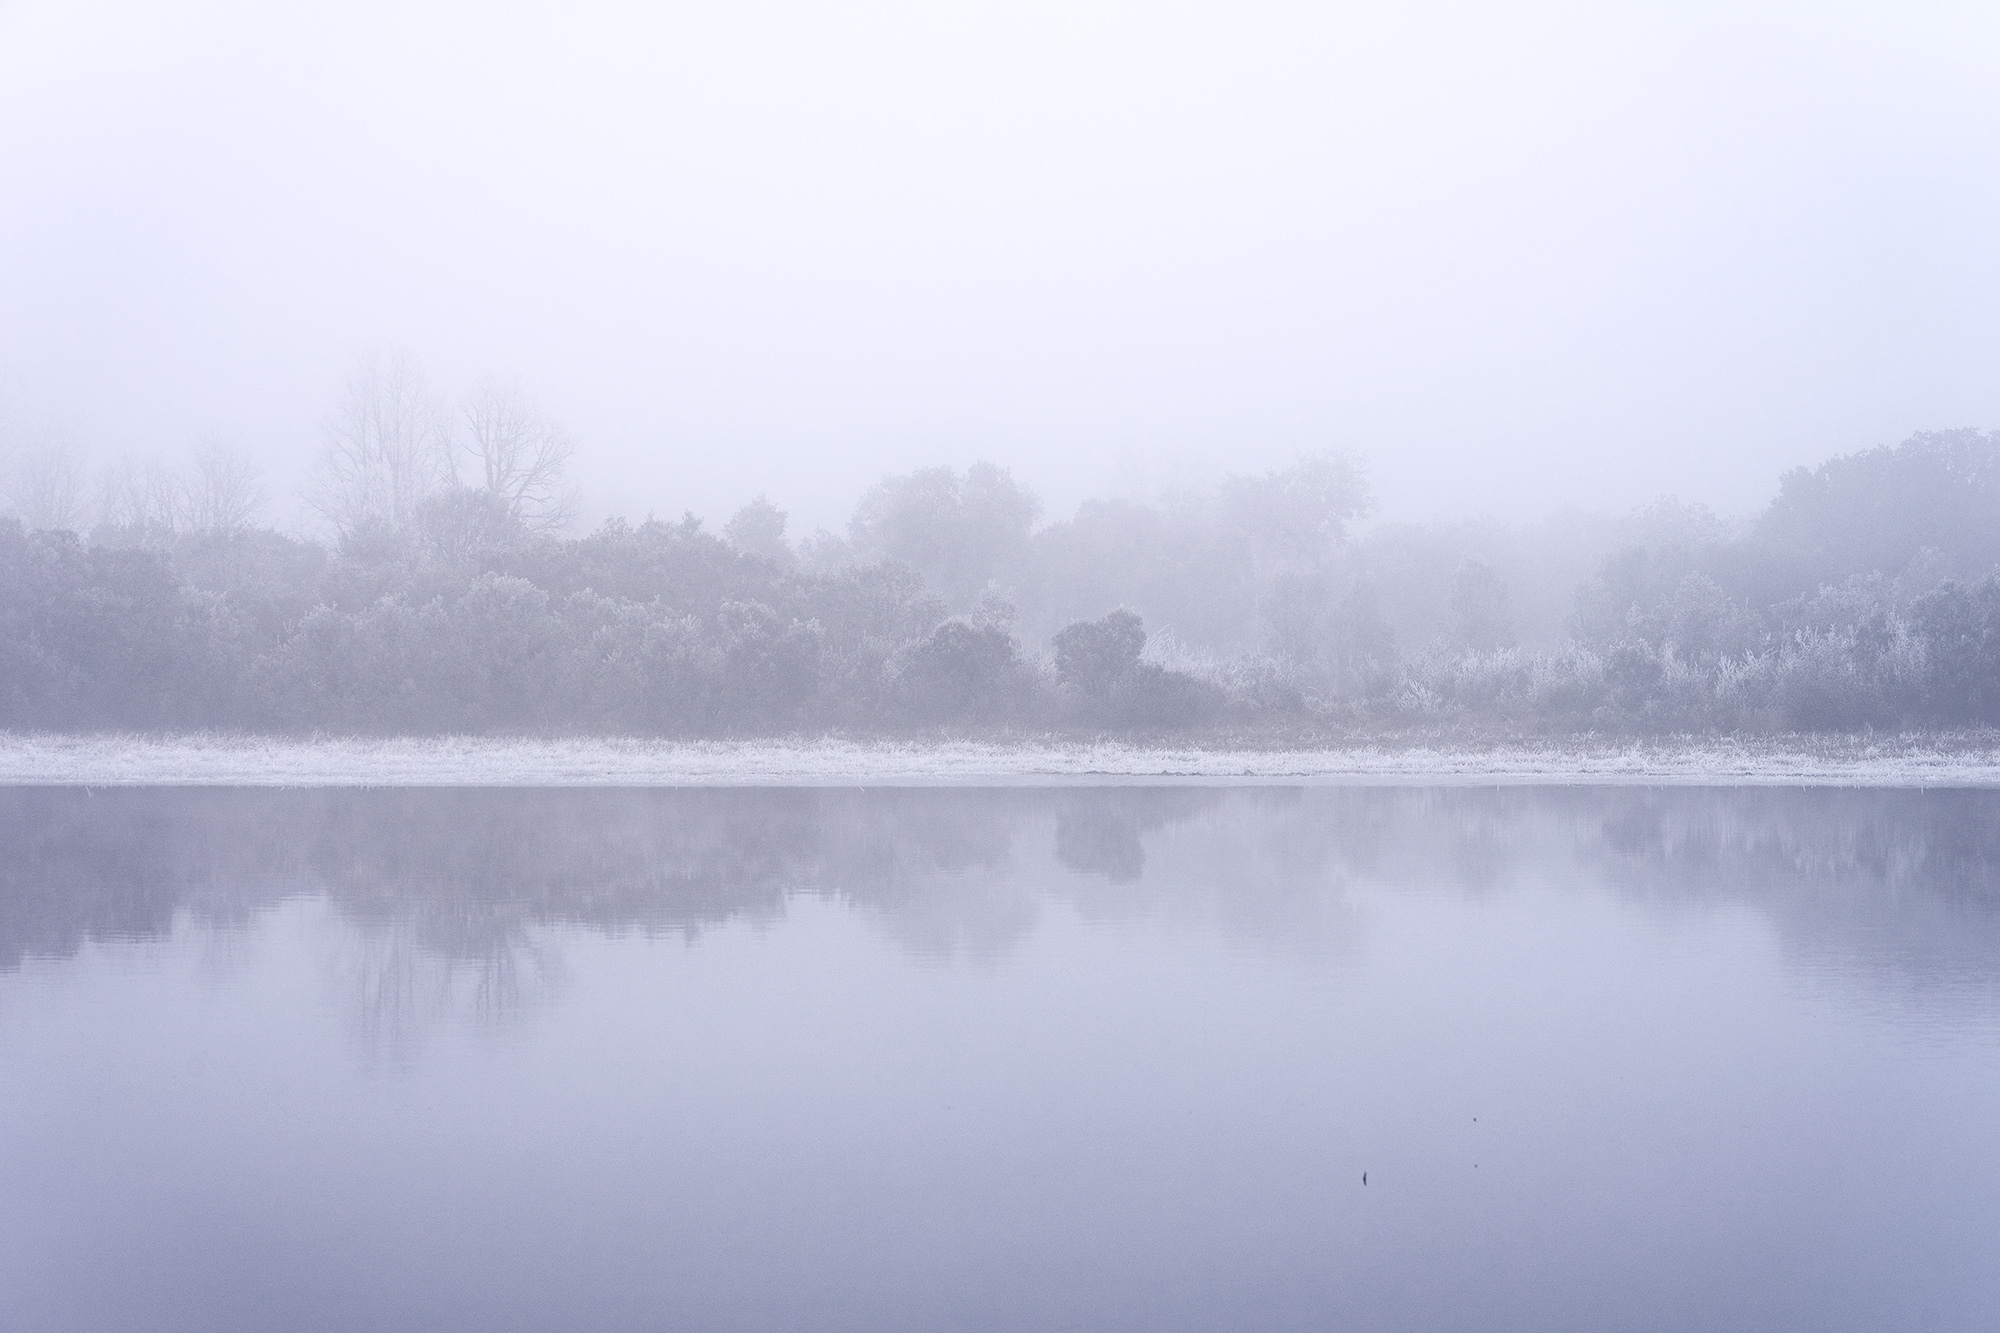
[(233, 761)]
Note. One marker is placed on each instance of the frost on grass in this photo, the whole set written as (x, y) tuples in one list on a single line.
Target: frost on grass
[(329, 762)]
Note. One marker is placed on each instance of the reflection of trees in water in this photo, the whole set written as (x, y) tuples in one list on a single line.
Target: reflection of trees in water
[(396, 990), (941, 877), (1098, 829), (1255, 865), (401, 986), (1899, 881), (1901, 885)]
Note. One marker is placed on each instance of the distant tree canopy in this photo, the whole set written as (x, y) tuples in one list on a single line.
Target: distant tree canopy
[(1877, 511), (963, 534), (1882, 528), (1867, 595), (1202, 565), (758, 528)]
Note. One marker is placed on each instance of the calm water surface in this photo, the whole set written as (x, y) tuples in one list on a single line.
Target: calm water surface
[(1018, 1059)]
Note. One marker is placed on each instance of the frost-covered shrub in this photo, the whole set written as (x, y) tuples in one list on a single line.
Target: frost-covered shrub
[(1842, 679), (1507, 685), (1252, 686)]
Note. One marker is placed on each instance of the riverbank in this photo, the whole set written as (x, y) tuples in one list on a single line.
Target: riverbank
[(214, 760)]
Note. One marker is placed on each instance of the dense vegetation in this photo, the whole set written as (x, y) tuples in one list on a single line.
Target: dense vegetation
[(1865, 596)]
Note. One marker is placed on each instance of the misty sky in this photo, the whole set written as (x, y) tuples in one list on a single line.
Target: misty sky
[(1519, 255)]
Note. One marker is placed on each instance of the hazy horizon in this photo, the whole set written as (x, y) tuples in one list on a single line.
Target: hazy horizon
[(1517, 261)]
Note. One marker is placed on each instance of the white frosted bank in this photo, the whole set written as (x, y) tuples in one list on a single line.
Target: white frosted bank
[(343, 762)]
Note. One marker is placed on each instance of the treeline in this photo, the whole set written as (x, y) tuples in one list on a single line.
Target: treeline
[(657, 629), (1864, 597)]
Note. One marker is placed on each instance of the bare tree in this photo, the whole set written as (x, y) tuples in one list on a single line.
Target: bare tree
[(45, 484), (387, 449), (520, 455), (144, 504), (223, 491)]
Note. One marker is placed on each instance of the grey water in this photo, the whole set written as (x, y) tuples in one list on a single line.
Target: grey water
[(1103, 1058)]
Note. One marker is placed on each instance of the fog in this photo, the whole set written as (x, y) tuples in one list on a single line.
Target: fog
[(1516, 257), (1164, 666)]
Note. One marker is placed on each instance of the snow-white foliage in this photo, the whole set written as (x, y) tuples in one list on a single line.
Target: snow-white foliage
[(197, 760)]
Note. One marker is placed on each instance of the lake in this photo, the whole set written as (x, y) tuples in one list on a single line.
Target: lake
[(1024, 1058)]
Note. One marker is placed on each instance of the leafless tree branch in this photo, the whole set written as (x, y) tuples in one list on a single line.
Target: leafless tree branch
[(520, 455), (387, 449)]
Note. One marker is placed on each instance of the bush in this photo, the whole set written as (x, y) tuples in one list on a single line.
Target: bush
[(1093, 655), (962, 672)]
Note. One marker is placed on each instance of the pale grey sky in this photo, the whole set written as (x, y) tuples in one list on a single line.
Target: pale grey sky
[(1519, 255)]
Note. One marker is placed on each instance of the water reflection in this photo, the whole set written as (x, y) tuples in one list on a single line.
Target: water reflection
[(918, 1059), (1902, 883)]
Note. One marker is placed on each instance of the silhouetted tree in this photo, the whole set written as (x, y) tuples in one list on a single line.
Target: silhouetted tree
[(45, 485), (386, 450), (223, 492), (1098, 663), (758, 528), (962, 672), (518, 456), (1091, 655)]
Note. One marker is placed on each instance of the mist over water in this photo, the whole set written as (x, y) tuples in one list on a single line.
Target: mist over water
[(1115, 1057), (789, 391)]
